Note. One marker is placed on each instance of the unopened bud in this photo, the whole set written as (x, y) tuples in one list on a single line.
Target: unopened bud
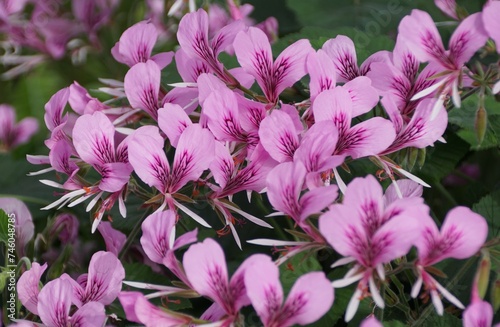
[(421, 157), (481, 124), (483, 273), (495, 295), (412, 158)]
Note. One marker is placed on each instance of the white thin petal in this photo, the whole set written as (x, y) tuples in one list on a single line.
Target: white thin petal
[(64, 199), (192, 6), (52, 183), (442, 140), (248, 216), (340, 182), (40, 172), (416, 287), (183, 84), (121, 206), (125, 116), (193, 215), (379, 301), (381, 271), (353, 305), (269, 242), (343, 261), (97, 221), (339, 283), (290, 254), (148, 286), (111, 82), (93, 202), (396, 187), (235, 235), (276, 214), (436, 301), (455, 96), (412, 177), (438, 105), (429, 90), (450, 297), (80, 200), (175, 7), (124, 130), (496, 88), (249, 196), (171, 239)]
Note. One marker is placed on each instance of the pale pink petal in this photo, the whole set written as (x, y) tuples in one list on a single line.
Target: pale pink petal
[(104, 280), (205, 266), (370, 137), (89, 315), (491, 21), (379, 56), (54, 303), (334, 105), (284, 184), (222, 167), (290, 66), (408, 188), (115, 175), (390, 106), (172, 120), (225, 36), (24, 131), (142, 86), (93, 138), (156, 233), (278, 136), (264, 288), (449, 7), (27, 286), (251, 114), (420, 34), (25, 229), (136, 44), (314, 201), (146, 155), (54, 109), (463, 233), (404, 60), (309, 299), (194, 154), (192, 34), (469, 37), (221, 109), (363, 95), (390, 82), (254, 54), (190, 68), (394, 239), (478, 314), (341, 50), (321, 71), (114, 239), (163, 59), (208, 84), (371, 322)]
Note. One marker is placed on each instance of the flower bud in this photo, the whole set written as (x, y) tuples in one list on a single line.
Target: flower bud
[(481, 124), (483, 273)]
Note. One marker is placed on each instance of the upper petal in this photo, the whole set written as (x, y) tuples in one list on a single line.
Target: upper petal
[(491, 21), (341, 50), (157, 231), (27, 286), (54, 303), (469, 37), (136, 43), (335, 105), (478, 314), (89, 315), (363, 95), (278, 136), (173, 120), (309, 299), (321, 71), (54, 109), (205, 266), (142, 86), (104, 279)]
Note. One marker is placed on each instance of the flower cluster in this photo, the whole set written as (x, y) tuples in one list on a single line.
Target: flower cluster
[(223, 130)]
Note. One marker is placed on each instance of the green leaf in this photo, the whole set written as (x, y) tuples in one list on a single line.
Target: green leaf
[(4, 223), (394, 323), (489, 208), (446, 320), (297, 266)]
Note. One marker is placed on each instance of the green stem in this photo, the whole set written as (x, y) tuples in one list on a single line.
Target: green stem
[(133, 234)]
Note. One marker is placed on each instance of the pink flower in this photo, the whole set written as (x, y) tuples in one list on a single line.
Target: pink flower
[(28, 286), (462, 234), (25, 229), (308, 300), (65, 226), (420, 34), (254, 54), (491, 22), (364, 230), (136, 45), (449, 7), (478, 314), (13, 134)]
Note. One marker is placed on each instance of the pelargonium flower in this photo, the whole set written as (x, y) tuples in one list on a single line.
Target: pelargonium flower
[(25, 229), (421, 35), (28, 286), (462, 234), (13, 134), (136, 44), (254, 54), (308, 300), (367, 232)]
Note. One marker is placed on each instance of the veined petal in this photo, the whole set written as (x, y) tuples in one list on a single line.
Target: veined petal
[(146, 155), (222, 167), (284, 184), (421, 35), (390, 106), (404, 60), (363, 95), (205, 266), (136, 43), (370, 137), (115, 175), (156, 232), (225, 36), (190, 68), (341, 50), (192, 35), (478, 314), (314, 201), (278, 136), (27, 286), (264, 288), (449, 7), (104, 280), (173, 120), (253, 52), (390, 82), (334, 105), (59, 157), (54, 303), (322, 72), (194, 154), (54, 109), (469, 37), (142, 86), (309, 299), (290, 66), (89, 315)]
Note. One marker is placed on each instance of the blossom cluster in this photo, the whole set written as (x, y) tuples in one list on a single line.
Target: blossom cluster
[(223, 130)]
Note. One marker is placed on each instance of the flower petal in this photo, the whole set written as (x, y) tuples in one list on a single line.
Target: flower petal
[(142, 86), (156, 232), (278, 136), (341, 50)]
